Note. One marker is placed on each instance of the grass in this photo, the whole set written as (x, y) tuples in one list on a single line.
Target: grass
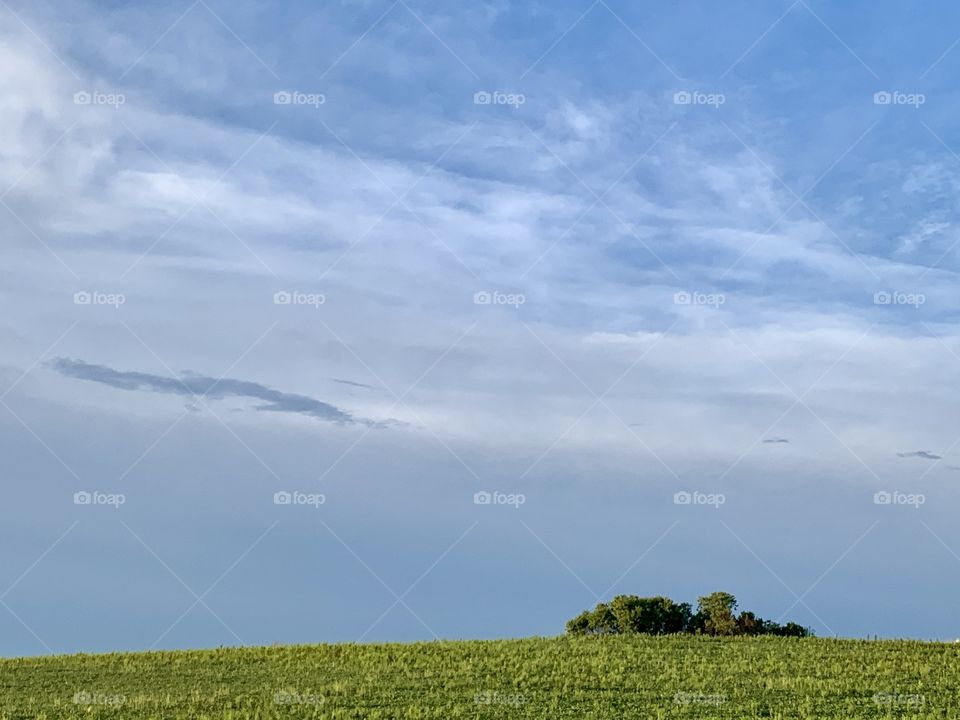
[(609, 678)]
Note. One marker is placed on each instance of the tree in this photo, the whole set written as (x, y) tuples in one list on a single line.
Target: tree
[(629, 614), (652, 615), (716, 609), (791, 629), (603, 621), (749, 624), (680, 618), (580, 625)]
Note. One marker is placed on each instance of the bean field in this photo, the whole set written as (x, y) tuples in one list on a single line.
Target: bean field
[(609, 678)]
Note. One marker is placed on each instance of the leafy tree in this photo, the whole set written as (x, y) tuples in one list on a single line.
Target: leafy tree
[(749, 624), (580, 625), (653, 615), (680, 618), (603, 621), (632, 614), (716, 609), (791, 629), (629, 614)]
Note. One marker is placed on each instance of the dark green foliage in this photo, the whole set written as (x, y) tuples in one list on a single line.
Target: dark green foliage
[(654, 616), (749, 624), (791, 629), (629, 614), (717, 612), (632, 614), (580, 625)]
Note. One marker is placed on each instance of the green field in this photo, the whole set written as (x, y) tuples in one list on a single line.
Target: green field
[(610, 678)]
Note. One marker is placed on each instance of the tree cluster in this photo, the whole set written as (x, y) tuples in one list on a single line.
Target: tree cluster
[(715, 615)]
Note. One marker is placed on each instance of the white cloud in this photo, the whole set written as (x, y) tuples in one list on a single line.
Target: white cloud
[(311, 215)]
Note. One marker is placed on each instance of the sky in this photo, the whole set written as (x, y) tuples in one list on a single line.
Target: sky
[(397, 320)]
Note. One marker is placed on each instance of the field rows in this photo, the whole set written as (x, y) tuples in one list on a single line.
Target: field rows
[(608, 678)]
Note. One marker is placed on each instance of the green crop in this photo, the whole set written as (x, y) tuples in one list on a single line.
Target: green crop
[(610, 678)]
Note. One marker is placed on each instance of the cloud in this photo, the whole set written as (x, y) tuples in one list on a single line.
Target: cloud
[(925, 454), (309, 199), (191, 384), (352, 383)]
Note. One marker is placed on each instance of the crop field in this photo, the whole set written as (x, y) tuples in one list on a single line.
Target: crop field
[(609, 678)]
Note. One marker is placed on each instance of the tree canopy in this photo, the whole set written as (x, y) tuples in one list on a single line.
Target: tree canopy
[(716, 614)]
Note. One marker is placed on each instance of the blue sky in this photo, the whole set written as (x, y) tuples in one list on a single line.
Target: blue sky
[(595, 258)]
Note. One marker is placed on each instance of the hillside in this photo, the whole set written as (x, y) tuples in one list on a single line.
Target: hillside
[(603, 678)]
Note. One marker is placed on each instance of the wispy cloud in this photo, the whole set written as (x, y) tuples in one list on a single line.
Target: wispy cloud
[(353, 383), (924, 454), (194, 385), (707, 275)]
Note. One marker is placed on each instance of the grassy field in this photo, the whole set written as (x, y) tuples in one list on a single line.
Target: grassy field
[(610, 678)]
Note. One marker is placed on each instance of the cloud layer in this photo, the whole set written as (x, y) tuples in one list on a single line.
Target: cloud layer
[(613, 291)]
